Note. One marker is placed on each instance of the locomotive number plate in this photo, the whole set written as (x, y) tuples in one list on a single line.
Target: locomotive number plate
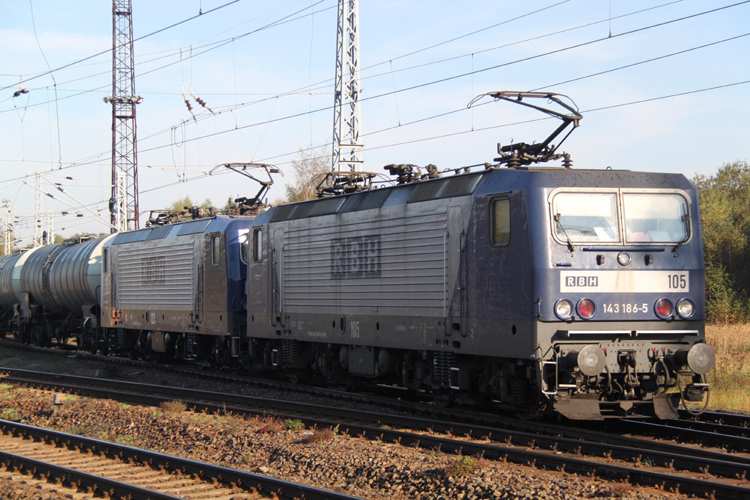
[(625, 281)]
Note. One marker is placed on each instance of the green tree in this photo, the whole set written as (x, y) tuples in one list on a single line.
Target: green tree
[(180, 204), (307, 168), (725, 219)]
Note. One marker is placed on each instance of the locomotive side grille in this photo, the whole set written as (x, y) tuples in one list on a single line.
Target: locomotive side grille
[(441, 366), (291, 350), (396, 262), (159, 276)]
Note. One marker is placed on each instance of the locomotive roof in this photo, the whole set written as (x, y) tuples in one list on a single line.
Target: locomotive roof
[(206, 225), (474, 183)]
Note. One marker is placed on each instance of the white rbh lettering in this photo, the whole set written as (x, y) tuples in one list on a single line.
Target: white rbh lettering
[(582, 281)]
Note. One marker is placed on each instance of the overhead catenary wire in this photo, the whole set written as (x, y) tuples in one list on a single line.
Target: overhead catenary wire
[(174, 52), (465, 74), (134, 40), (213, 46), (57, 112), (321, 84), (445, 113), (509, 63)]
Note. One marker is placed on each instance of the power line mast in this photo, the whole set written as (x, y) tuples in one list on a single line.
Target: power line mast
[(123, 100), (38, 211), (50, 228), (7, 244), (347, 150)]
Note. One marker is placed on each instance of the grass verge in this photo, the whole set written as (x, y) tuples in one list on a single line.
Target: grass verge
[(730, 379)]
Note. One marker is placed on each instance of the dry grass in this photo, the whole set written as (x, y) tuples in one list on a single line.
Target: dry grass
[(730, 380)]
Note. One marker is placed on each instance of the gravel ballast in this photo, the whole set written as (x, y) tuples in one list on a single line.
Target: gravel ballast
[(320, 457)]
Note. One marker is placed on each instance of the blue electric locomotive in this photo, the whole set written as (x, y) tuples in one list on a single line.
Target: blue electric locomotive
[(528, 287)]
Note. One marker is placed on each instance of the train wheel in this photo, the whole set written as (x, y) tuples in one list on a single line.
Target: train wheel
[(443, 397)]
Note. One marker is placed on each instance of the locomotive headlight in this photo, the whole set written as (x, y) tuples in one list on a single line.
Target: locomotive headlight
[(664, 308), (685, 308), (623, 259), (564, 309), (586, 308)]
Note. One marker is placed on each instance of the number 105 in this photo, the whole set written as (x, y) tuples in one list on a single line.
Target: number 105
[(677, 281)]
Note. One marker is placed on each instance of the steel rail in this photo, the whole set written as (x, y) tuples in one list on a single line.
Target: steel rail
[(521, 433), (670, 456), (79, 479), (224, 475), (721, 428), (720, 417), (713, 437)]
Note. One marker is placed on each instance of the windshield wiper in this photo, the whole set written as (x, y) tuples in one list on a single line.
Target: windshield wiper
[(686, 221), (559, 224)]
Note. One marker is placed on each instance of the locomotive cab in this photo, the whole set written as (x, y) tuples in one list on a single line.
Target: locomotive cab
[(621, 291)]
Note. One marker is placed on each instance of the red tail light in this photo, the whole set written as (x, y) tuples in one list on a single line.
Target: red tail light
[(586, 308), (664, 308)]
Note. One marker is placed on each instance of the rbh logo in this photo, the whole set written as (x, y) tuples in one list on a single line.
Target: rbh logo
[(582, 281)]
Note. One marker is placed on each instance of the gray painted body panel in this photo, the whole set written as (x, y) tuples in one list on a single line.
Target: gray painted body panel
[(34, 278), (7, 295), (75, 274)]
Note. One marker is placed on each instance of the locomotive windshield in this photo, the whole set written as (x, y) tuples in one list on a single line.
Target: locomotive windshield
[(588, 217), (658, 218)]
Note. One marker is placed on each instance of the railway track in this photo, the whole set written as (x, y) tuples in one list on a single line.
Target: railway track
[(642, 462), (116, 471)]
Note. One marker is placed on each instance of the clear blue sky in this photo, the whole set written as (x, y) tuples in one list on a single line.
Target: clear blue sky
[(448, 51)]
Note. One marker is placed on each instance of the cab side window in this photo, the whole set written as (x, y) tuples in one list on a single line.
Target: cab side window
[(215, 249), (500, 221), (257, 245)]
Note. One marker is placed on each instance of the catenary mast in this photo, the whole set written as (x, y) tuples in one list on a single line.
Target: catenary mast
[(347, 150), (123, 204)]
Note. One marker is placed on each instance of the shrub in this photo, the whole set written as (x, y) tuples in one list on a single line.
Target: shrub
[(294, 425), (173, 407), (319, 436), (11, 414), (464, 465)]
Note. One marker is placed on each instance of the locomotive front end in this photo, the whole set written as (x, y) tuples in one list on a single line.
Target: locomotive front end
[(621, 303)]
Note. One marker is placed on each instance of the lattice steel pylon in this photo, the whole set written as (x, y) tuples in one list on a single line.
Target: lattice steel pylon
[(347, 149), (38, 238), (123, 100), (7, 244)]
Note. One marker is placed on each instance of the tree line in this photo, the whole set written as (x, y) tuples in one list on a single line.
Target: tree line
[(725, 219)]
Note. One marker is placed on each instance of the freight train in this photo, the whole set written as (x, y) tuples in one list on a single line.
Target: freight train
[(528, 288)]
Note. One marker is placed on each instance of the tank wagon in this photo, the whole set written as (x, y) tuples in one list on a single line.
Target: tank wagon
[(52, 291)]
